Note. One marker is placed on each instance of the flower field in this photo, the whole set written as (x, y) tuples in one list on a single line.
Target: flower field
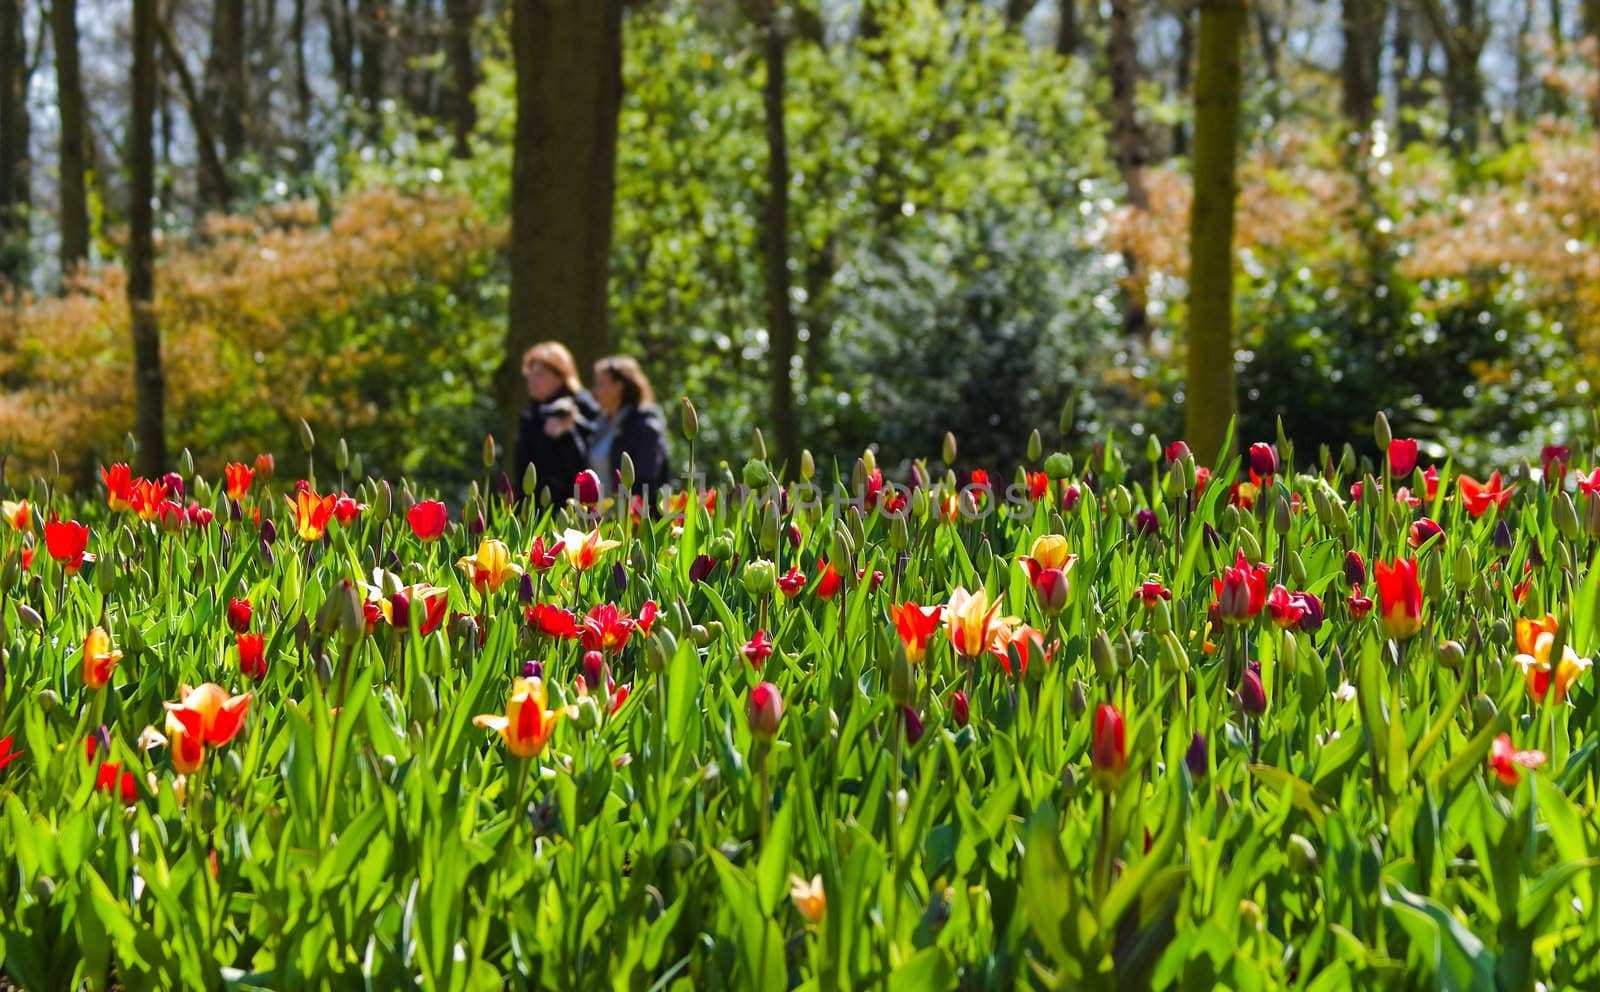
[(1315, 721)]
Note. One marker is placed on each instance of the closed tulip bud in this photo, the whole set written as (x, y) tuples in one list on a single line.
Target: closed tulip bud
[(1564, 515), (1058, 466), (269, 531), (341, 456), (659, 649), (327, 621), (1281, 520), (29, 617), (1452, 654), (759, 446), (383, 501), (1249, 545), (1174, 659), (1035, 445), (771, 529), (1069, 780), (756, 473), (49, 700), (356, 466), (912, 722), (530, 480), (1432, 578), (764, 710), (1462, 570), (105, 576), (949, 450), (808, 465), (594, 670), (899, 534), (1502, 536), (308, 440), (1500, 631), (267, 557), (714, 631), (1355, 570), (959, 709), (464, 629), (1161, 617), (488, 451), (1104, 657), (1197, 757), (760, 578), (902, 680), (1483, 711), (1252, 695), (586, 487), (619, 577), (1121, 501), (1321, 505), (1301, 855), (1295, 567), (1380, 431), (690, 420), (352, 618), (625, 471), (1482, 593), (984, 559), (1591, 514)]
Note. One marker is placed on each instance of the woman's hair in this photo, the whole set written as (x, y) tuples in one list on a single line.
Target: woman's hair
[(554, 355), (636, 389)]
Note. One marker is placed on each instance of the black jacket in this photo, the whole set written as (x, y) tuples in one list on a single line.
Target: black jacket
[(643, 436), (558, 460)]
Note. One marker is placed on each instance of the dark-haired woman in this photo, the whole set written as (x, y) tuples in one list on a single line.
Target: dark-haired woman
[(630, 423)]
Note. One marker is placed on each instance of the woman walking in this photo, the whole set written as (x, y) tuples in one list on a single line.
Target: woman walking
[(553, 433), (630, 423)]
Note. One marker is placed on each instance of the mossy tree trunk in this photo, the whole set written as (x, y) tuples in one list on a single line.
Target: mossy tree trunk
[(1210, 401)]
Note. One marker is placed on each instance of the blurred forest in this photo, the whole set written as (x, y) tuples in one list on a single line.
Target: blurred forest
[(847, 222)]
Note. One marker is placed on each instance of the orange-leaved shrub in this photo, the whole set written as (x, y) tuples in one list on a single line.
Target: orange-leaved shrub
[(353, 324)]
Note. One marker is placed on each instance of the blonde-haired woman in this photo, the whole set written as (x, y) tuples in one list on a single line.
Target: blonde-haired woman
[(553, 433), (630, 423)]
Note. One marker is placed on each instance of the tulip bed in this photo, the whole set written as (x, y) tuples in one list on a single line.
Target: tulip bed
[(1126, 724)]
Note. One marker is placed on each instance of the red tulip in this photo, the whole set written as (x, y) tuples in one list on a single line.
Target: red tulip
[(1505, 760), (119, 487), (541, 558), (1263, 459), (647, 617), (1152, 592), (1283, 608), (1399, 598), (253, 655), (1402, 457), (1242, 591), (1177, 451), (7, 756), (1109, 752), (587, 487), (66, 540), (346, 509), (109, 781), (757, 650), (607, 628), (764, 710), (428, 519), (1359, 605), (916, 626), (238, 479), (960, 711), (1478, 497), (828, 582), (239, 611), (1423, 531), (1553, 459), (553, 621), (792, 582)]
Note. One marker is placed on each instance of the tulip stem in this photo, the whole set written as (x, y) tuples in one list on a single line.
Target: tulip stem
[(1102, 858), (763, 752)]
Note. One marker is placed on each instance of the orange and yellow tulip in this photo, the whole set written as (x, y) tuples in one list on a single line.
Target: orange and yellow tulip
[(119, 487), (98, 658), (969, 620), (238, 479), (490, 567), (18, 514), (584, 550), (1543, 675), (209, 714), (311, 513), (527, 724), (916, 626), (187, 749)]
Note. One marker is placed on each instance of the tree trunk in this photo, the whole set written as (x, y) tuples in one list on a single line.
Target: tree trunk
[(372, 23), (15, 139), (1210, 402), (225, 85), (74, 130), (1362, 24), (568, 56), (1411, 97), (302, 83), (1463, 40), (1269, 46), (341, 43), (460, 17), (1591, 21), (1183, 73), (775, 246), (148, 383), (213, 173), (1017, 11), (1128, 147), (1067, 34)]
